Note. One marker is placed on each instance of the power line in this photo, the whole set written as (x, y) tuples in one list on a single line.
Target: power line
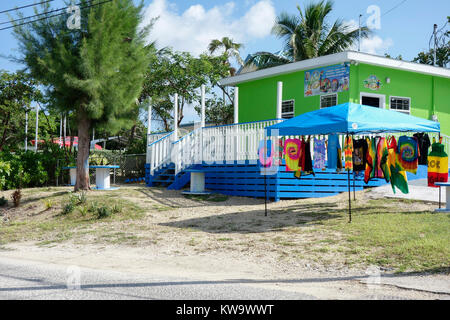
[(27, 6), (36, 15), (395, 7), (55, 15), (390, 10)]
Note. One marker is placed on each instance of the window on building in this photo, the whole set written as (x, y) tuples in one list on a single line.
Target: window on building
[(400, 104), (328, 100), (287, 109)]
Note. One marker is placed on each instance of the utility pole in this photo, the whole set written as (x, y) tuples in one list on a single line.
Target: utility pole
[(37, 128), (26, 130), (434, 53), (359, 33)]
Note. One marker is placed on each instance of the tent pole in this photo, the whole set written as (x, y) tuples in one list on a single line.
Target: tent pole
[(349, 196), (439, 141), (354, 183)]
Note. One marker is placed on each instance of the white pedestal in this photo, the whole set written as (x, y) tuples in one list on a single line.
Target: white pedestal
[(73, 176), (102, 178), (198, 182)]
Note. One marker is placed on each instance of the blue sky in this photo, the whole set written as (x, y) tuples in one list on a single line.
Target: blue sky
[(406, 25), (405, 30)]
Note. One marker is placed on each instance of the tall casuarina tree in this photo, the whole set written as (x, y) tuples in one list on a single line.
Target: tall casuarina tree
[(307, 35), (95, 72)]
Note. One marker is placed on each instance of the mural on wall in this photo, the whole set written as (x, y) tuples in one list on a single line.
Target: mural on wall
[(330, 79), (373, 83)]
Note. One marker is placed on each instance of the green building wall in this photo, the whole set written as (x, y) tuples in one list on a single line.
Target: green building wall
[(257, 99)]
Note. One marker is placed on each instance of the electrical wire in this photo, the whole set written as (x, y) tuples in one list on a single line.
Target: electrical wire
[(36, 15), (27, 6), (55, 15)]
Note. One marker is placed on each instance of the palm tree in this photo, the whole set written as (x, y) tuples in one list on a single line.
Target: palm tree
[(231, 50), (307, 35)]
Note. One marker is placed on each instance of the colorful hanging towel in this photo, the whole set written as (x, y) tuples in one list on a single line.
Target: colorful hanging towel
[(332, 151), (397, 174), (308, 166), (359, 155), (408, 151), (378, 172), (437, 165), (319, 154), (383, 159), (266, 153), (292, 149), (370, 160), (278, 152), (348, 153)]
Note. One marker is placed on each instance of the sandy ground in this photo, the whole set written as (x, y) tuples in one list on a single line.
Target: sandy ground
[(229, 241)]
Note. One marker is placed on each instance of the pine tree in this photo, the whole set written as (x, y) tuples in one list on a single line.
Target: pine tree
[(96, 72)]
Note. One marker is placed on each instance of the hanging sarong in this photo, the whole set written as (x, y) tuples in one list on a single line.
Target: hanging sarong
[(359, 155), (383, 159), (408, 151), (332, 151), (370, 160), (437, 165), (348, 153), (292, 149), (397, 174), (319, 154)]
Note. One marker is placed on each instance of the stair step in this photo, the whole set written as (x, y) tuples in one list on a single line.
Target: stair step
[(163, 180)]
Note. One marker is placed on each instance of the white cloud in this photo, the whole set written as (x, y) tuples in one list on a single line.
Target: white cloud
[(373, 44), (193, 29)]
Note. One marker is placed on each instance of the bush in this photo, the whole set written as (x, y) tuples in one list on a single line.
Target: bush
[(68, 208), (28, 169), (103, 212)]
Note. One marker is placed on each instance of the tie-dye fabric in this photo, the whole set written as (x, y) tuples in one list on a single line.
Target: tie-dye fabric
[(319, 154), (408, 151)]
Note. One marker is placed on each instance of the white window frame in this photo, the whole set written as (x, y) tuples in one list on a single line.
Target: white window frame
[(402, 111), (326, 95), (293, 110), (374, 95)]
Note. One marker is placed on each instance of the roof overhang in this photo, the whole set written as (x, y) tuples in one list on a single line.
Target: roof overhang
[(337, 58)]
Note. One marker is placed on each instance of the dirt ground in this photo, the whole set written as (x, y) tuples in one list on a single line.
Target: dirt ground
[(223, 238)]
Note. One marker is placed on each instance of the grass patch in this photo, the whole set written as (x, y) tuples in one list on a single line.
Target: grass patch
[(405, 240)]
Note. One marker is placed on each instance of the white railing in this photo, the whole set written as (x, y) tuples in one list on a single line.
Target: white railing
[(156, 136), (221, 144), (158, 152)]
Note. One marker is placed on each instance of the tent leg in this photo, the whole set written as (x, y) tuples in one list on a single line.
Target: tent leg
[(349, 199), (265, 194), (354, 186)]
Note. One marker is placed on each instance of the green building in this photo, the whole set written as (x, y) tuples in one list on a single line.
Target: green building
[(299, 87)]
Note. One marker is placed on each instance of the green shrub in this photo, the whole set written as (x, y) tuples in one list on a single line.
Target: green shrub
[(103, 212), (117, 208), (68, 208), (83, 210), (48, 204)]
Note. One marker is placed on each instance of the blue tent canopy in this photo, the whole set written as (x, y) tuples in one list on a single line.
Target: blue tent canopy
[(352, 118)]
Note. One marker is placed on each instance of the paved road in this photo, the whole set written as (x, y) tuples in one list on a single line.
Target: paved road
[(32, 280)]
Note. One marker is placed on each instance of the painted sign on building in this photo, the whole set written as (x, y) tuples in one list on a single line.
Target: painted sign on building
[(372, 83), (330, 79)]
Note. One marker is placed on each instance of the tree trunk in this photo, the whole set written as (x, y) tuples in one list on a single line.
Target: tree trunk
[(83, 153)]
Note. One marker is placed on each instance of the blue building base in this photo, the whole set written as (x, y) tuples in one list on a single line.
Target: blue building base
[(246, 180)]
